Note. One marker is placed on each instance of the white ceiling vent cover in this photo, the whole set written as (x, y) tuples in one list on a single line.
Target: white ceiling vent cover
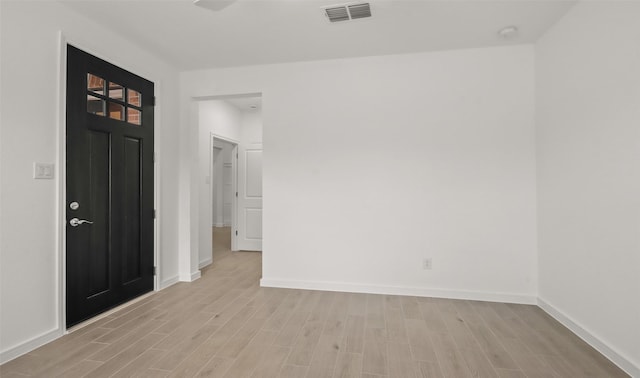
[(337, 13)]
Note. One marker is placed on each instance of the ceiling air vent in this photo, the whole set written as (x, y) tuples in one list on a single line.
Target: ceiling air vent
[(348, 12), (359, 10)]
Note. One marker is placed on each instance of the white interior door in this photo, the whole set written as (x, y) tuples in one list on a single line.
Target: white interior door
[(250, 198)]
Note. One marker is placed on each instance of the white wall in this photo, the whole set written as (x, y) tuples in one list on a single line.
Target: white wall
[(457, 175), (588, 137), (251, 129), (30, 261), (219, 118)]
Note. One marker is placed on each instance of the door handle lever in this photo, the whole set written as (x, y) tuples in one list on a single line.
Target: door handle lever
[(75, 222)]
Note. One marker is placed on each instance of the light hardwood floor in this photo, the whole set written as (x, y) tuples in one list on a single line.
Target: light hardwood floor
[(221, 242), (225, 325)]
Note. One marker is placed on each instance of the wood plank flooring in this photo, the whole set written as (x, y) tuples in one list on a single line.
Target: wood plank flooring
[(225, 325)]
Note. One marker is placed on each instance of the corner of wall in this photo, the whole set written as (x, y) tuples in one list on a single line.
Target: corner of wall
[(623, 362), (205, 262), (169, 282), (190, 277)]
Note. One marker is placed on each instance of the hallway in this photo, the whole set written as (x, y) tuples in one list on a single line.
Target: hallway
[(221, 242)]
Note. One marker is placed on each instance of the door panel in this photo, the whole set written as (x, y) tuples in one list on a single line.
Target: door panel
[(250, 197), (99, 247), (253, 224), (110, 176), (131, 210), (254, 174)]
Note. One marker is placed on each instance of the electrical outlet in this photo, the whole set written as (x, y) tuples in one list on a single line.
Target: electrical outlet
[(426, 264)]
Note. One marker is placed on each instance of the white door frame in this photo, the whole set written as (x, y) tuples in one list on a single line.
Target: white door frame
[(234, 183)]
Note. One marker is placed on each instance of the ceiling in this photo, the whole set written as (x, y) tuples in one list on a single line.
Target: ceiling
[(245, 104), (250, 32)]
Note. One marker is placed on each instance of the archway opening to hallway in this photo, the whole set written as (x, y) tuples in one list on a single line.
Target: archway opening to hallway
[(230, 160)]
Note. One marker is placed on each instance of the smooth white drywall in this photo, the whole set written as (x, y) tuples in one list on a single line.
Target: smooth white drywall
[(30, 264), (220, 118), (217, 118), (588, 144), (251, 129), (373, 164)]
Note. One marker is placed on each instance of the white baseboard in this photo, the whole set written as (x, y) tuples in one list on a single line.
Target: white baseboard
[(617, 358), (168, 282), (28, 346), (190, 277), (400, 290), (218, 225), (205, 262)]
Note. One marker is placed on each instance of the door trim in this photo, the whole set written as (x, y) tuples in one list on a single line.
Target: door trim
[(61, 176)]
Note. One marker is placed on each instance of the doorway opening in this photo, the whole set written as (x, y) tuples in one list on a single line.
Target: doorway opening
[(223, 191), (230, 150)]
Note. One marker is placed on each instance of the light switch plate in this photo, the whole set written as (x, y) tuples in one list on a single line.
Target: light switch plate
[(43, 171)]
